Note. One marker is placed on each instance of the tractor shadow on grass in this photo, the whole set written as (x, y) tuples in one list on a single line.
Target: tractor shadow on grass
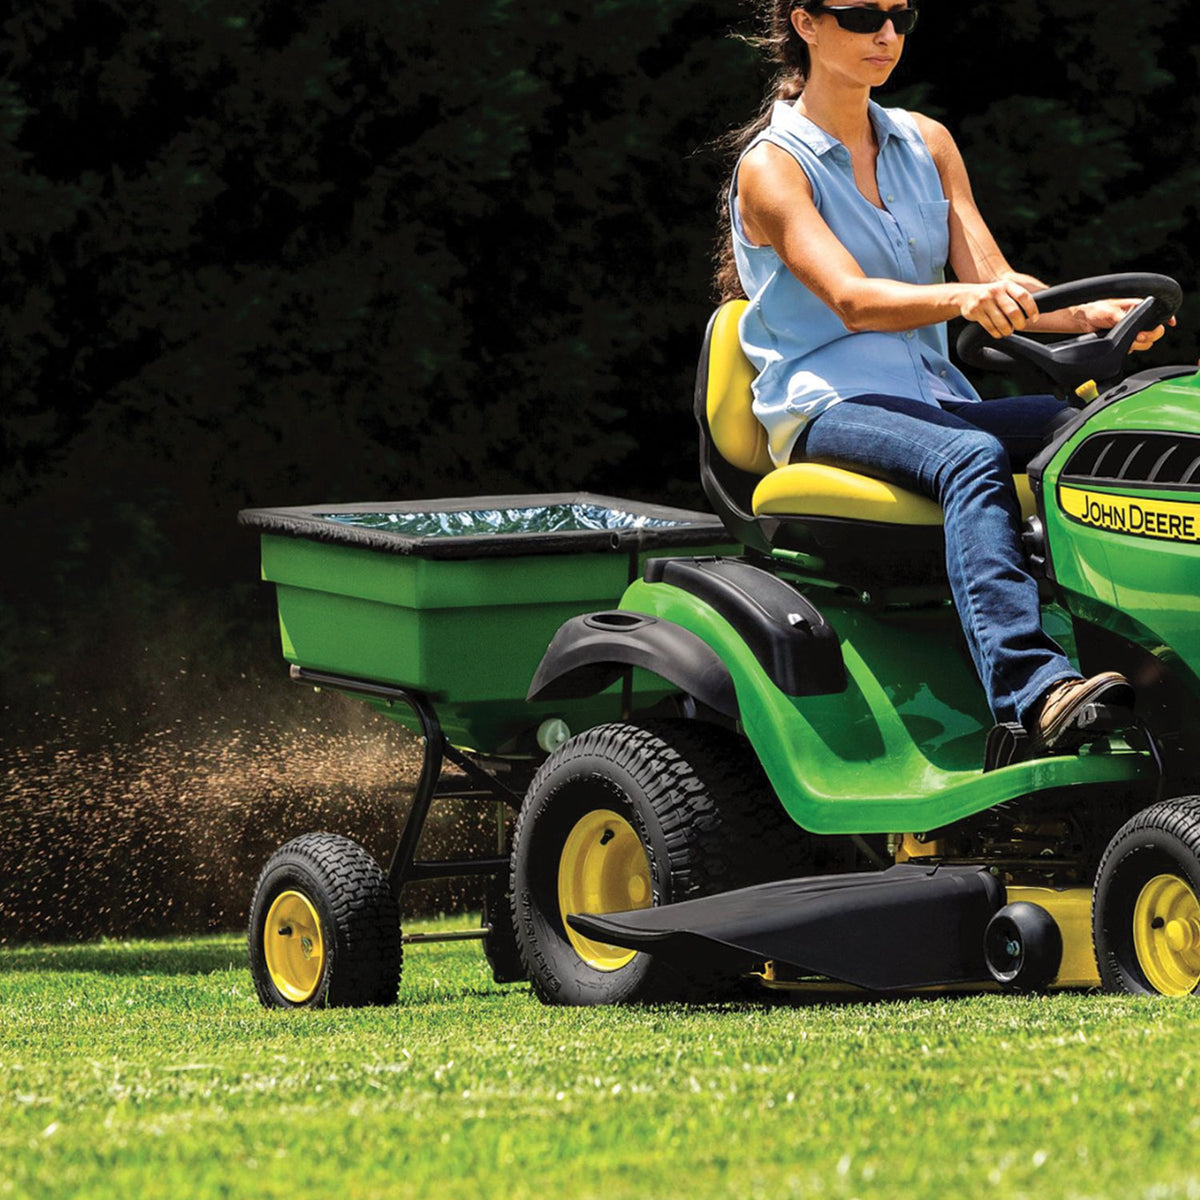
[(829, 994), (754, 996)]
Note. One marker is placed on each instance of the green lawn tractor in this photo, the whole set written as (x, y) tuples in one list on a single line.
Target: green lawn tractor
[(757, 750)]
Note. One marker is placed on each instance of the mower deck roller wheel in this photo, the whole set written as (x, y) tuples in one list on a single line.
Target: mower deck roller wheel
[(324, 927), (1023, 947), (629, 816), (1145, 912)]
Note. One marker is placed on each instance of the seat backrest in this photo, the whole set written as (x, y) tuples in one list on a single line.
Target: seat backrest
[(737, 434), (733, 445)]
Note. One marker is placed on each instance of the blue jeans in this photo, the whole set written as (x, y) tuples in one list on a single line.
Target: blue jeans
[(963, 455)]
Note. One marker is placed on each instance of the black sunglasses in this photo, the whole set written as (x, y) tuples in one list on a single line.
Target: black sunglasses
[(870, 20)]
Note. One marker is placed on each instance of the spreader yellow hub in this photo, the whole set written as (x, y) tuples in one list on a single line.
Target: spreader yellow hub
[(603, 868), (293, 946), (1166, 935)]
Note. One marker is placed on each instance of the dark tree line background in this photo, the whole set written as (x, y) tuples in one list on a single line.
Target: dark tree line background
[(279, 251)]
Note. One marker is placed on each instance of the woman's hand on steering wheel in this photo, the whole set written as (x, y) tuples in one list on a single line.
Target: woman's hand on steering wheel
[(1004, 307), (1099, 315), (1113, 328), (1001, 306)]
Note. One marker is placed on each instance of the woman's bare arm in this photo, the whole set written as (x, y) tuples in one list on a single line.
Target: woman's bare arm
[(776, 206), (976, 257)]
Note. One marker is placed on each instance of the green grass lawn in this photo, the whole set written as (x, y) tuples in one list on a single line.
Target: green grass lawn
[(148, 1069)]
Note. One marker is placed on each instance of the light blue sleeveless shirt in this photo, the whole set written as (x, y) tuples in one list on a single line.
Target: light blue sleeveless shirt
[(806, 358)]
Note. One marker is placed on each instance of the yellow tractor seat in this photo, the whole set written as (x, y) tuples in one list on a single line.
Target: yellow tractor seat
[(868, 525), (821, 491)]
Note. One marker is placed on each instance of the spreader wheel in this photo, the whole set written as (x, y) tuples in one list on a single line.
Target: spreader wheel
[(324, 927), (1145, 911), (624, 817)]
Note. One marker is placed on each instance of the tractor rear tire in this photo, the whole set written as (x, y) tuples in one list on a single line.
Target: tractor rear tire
[(1145, 911), (628, 816), (324, 927)]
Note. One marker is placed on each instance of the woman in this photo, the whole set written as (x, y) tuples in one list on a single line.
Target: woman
[(843, 217)]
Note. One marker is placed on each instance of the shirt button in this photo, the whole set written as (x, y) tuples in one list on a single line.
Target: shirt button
[(942, 374), (912, 241), (890, 197), (909, 335)]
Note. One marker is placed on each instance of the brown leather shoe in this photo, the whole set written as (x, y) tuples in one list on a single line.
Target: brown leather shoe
[(1062, 723)]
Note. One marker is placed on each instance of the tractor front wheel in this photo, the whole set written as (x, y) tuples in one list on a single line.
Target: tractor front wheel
[(1145, 911)]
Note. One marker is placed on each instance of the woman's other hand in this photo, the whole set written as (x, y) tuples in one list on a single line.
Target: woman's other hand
[(1104, 314), (1001, 306)]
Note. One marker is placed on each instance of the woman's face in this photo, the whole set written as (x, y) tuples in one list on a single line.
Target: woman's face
[(862, 58)]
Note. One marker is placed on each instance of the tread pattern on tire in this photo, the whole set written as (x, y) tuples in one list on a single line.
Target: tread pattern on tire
[(366, 955), (745, 834), (721, 821), (1179, 818), (723, 824), (500, 945)]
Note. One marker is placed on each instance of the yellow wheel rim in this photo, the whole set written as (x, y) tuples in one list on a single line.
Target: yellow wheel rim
[(294, 947), (603, 868), (1166, 935)]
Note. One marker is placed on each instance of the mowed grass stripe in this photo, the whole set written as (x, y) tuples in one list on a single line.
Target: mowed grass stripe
[(148, 1069)]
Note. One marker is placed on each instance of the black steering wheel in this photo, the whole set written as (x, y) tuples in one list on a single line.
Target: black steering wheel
[(1071, 362)]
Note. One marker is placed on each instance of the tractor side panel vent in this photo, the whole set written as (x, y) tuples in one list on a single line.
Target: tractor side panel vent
[(1151, 460)]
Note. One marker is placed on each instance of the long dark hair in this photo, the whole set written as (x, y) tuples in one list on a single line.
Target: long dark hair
[(783, 46)]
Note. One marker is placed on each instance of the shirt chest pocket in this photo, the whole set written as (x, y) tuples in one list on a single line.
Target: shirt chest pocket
[(934, 246)]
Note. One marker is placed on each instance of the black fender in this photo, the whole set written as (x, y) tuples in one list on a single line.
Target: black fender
[(782, 628), (590, 652)]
